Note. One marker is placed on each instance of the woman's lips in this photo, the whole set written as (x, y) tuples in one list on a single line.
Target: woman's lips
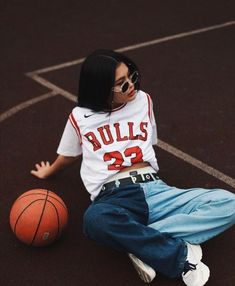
[(132, 93)]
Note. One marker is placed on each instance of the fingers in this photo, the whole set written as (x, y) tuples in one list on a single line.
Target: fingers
[(34, 173), (40, 169), (37, 166), (42, 165), (45, 164)]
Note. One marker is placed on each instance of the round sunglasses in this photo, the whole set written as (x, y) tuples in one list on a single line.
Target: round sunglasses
[(123, 88)]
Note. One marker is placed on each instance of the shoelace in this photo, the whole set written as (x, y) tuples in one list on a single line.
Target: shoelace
[(189, 266)]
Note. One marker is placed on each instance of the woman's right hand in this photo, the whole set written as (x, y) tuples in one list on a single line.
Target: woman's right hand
[(42, 171), (45, 169)]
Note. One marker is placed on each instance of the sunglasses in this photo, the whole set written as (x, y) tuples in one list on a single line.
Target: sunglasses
[(123, 88)]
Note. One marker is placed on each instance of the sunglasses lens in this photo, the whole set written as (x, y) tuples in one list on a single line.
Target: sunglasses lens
[(125, 87), (134, 77)]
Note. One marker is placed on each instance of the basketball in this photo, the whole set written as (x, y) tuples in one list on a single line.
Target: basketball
[(38, 217)]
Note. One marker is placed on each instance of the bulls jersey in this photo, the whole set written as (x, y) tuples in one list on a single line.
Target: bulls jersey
[(109, 142)]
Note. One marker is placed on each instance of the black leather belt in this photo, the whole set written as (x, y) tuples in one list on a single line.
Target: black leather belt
[(133, 179)]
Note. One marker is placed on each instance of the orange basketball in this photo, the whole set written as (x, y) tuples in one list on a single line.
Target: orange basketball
[(38, 217)]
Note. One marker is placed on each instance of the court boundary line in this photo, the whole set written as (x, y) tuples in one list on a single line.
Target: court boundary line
[(54, 87), (25, 104), (56, 90), (196, 163), (137, 46)]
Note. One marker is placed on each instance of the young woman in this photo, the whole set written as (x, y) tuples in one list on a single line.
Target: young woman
[(132, 210)]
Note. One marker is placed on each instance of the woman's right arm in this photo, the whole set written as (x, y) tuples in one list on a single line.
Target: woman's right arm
[(45, 169)]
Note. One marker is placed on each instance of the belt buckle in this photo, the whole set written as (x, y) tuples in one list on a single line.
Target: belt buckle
[(133, 175), (117, 183)]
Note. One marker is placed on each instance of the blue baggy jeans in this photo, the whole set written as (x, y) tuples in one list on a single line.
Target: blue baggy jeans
[(153, 221)]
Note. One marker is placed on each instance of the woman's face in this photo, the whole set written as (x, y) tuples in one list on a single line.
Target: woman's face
[(122, 76)]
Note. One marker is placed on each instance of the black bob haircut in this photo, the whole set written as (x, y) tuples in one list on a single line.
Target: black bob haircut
[(97, 78)]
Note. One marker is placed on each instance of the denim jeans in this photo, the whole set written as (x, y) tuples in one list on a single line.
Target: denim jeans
[(153, 221)]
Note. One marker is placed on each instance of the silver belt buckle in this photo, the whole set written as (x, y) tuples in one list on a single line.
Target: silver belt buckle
[(117, 183)]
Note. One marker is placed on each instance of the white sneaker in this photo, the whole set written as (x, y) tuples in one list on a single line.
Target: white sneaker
[(194, 253), (146, 273), (196, 273)]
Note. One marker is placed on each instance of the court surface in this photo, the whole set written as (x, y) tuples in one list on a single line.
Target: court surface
[(185, 52)]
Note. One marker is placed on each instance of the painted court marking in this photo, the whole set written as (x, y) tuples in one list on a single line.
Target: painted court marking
[(197, 163), (137, 46), (56, 90), (10, 112), (54, 87)]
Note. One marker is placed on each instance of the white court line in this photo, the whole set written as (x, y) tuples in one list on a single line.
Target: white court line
[(12, 111), (137, 46), (197, 163), (56, 67), (177, 36), (54, 87)]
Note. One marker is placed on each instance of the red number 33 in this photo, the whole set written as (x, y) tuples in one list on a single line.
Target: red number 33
[(135, 154)]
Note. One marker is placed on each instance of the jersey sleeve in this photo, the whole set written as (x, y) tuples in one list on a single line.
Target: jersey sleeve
[(70, 144), (152, 120), (154, 128)]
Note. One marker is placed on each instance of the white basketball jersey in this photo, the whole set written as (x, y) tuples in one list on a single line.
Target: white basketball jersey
[(110, 142)]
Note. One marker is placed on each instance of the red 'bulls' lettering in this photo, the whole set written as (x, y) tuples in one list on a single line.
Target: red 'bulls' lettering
[(109, 140), (116, 133)]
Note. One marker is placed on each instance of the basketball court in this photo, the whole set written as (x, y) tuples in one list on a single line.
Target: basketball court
[(185, 52)]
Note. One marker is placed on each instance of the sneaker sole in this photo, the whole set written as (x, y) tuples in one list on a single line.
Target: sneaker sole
[(200, 281), (146, 273), (206, 273)]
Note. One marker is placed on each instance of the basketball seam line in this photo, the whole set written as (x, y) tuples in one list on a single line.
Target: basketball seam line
[(58, 219), (50, 196), (23, 212), (44, 206)]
